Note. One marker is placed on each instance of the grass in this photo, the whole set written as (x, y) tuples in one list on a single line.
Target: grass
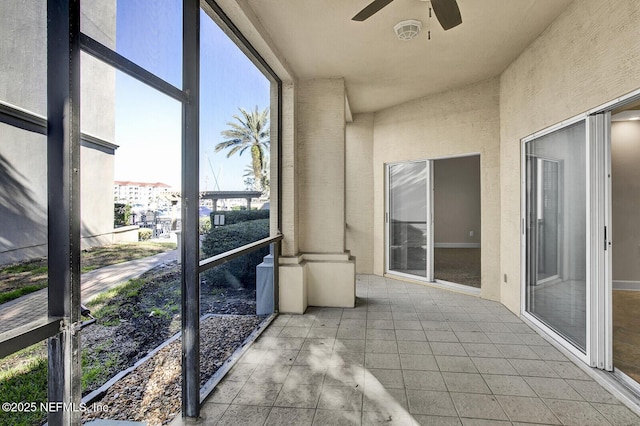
[(22, 278), (25, 267), (99, 257), (23, 375), (96, 372), (14, 294), (102, 308), (23, 378)]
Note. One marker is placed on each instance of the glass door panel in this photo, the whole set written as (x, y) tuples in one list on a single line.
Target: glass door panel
[(556, 242), (407, 218)]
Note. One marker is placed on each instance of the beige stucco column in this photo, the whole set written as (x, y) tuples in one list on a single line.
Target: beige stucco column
[(314, 269)]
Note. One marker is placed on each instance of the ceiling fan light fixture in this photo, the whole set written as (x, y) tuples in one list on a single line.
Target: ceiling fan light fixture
[(407, 30)]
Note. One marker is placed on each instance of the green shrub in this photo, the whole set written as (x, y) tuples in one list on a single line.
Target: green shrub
[(144, 234), (239, 272), (239, 216), (121, 214), (205, 225)]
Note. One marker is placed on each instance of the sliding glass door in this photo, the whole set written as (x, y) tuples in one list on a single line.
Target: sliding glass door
[(408, 219), (556, 226), (568, 243)]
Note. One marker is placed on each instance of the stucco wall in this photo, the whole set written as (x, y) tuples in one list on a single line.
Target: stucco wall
[(96, 195), (97, 118), (289, 165), (460, 121), (23, 154), (359, 184), (23, 194), (588, 56), (320, 126), (319, 272), (24, 29)]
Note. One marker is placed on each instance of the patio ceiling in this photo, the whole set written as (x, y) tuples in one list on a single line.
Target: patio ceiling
[(318, 39)]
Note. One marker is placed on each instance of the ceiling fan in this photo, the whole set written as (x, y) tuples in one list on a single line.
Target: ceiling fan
[(446, 11)]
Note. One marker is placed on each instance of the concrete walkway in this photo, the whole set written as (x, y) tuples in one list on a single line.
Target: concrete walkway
[(33, 307)]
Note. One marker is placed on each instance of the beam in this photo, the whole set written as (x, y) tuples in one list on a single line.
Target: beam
[(190, 249), (63, 181), (119, 62), (19, 338)]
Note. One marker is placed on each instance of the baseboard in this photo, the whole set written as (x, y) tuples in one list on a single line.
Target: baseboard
[(456, 245), (626, 285)]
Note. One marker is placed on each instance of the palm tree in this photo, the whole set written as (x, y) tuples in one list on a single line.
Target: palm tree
[(250, 131), (264, 183)]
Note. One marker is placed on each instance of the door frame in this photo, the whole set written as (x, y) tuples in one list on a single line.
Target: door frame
[(564, 342), (430, 223), (599, 344)]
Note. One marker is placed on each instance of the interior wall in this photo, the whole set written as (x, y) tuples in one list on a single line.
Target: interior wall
[(587, 57), (460, 121), (359, 184), (625, 193), (456, 202)]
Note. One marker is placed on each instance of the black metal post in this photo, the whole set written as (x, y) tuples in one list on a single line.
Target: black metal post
[(190, 211), (63, 180)]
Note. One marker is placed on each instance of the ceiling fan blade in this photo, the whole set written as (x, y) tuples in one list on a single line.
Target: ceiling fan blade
[(447, 12), (368, 11)]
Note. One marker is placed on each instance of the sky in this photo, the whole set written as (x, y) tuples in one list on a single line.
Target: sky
[(148, 123)]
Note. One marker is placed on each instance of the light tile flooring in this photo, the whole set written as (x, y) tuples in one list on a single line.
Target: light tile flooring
[(408, 355)]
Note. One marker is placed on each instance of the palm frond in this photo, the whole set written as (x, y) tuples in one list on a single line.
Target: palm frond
[(248, 130)]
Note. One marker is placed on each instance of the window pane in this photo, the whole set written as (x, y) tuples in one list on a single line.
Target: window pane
[(556, 231), (235, 146), (408, 218), (146, 32), (235, 298), (130, 182), (23, 55), (23, 233)]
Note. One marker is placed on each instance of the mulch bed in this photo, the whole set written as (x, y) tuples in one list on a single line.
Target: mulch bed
[(152, 392)]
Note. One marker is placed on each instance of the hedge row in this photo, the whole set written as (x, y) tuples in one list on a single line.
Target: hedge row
[(232, 217), (239, 272)]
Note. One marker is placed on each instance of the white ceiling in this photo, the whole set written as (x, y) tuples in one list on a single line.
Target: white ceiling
[(318, 39)]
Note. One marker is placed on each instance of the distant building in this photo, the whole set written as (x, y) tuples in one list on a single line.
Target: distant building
[(140, 193)]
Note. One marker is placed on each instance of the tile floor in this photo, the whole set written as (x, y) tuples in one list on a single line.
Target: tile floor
[(408, 355)]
